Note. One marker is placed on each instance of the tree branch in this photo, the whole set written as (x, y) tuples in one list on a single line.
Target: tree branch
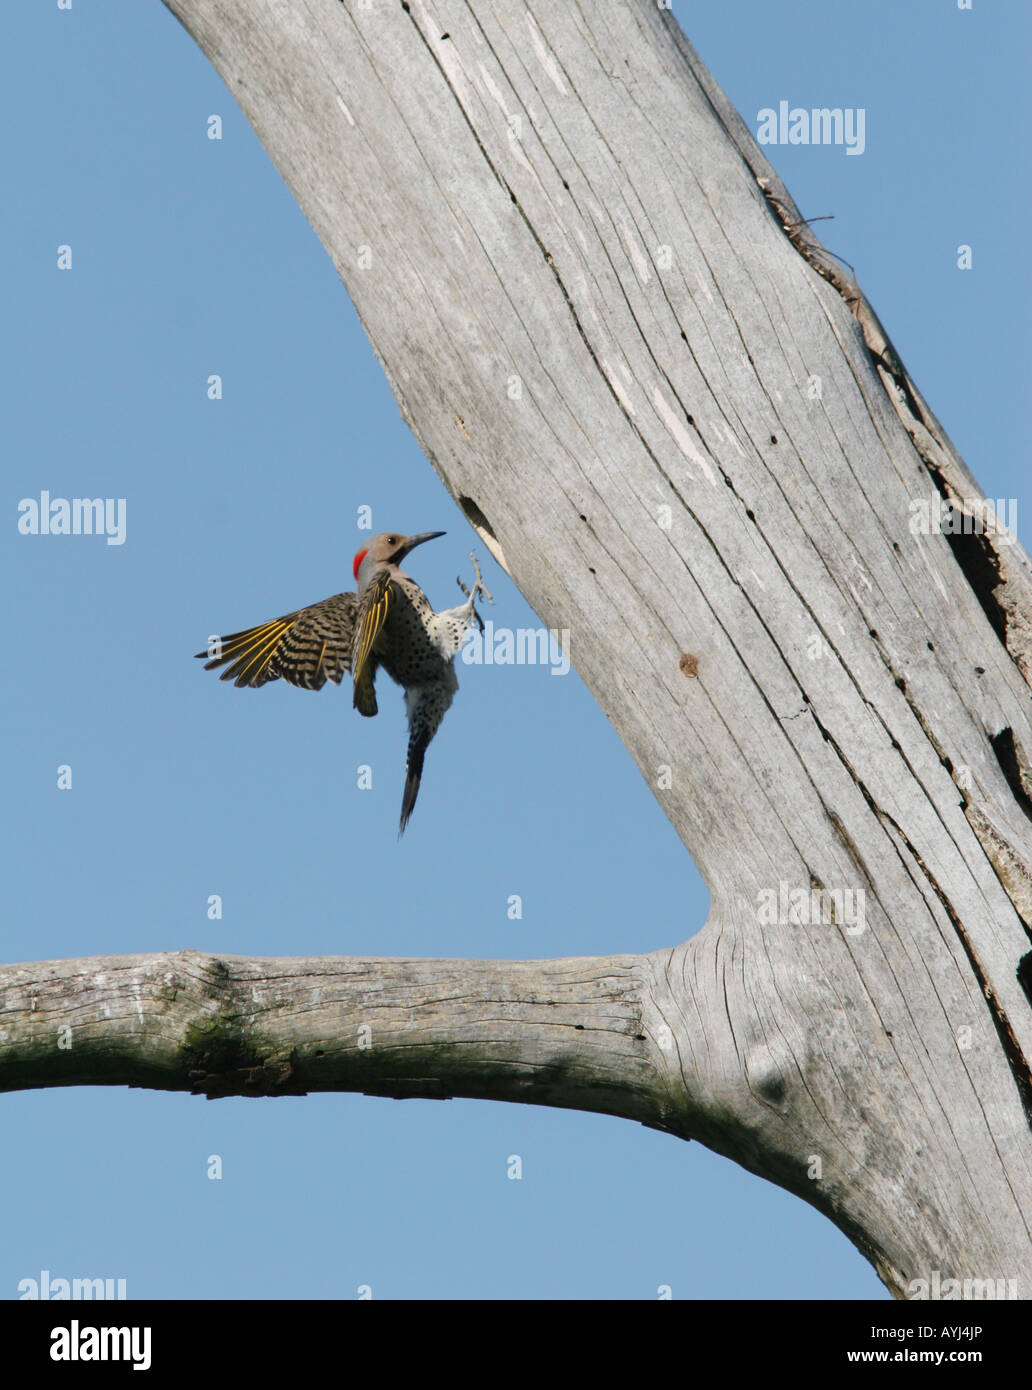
[(559, 1032)]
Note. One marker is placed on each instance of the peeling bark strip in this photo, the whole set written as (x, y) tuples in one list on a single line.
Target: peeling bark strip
[(686, 433)]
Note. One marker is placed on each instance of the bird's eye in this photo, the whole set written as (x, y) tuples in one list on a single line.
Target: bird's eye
[(392, 540)]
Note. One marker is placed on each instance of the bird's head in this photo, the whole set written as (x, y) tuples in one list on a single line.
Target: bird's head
[(389, 548)]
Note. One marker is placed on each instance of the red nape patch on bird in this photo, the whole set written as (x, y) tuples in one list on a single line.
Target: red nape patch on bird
[(358, 560)]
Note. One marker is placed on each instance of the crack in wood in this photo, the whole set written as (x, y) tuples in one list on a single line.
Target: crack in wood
[(1019, 1067), (1014, 764)]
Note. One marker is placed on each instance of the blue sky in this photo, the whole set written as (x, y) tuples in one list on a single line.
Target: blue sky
[(190, 257)]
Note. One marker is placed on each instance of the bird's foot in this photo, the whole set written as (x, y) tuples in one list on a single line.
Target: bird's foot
[(479, 587)]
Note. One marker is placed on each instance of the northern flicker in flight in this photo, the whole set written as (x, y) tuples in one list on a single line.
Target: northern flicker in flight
[(388, 622)]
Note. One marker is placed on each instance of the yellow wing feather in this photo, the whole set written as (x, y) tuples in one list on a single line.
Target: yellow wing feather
[(376, 602)]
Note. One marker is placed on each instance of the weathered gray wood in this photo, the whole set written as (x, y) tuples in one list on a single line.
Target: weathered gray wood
[(558, 1032), (594, 303)]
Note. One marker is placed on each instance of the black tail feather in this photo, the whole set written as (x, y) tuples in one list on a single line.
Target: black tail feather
[(413, 773)]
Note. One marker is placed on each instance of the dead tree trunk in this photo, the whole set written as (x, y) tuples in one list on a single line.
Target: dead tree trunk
[(683, 432)]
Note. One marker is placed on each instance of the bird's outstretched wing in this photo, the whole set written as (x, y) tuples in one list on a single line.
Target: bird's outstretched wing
[(305, 647), (372, 614)]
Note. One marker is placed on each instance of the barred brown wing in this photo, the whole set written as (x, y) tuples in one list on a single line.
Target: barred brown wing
[(306, 647)]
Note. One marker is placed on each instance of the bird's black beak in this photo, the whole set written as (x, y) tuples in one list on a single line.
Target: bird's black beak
[(411, 542)]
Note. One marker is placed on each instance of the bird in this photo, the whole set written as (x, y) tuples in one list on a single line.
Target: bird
[(388, 621)]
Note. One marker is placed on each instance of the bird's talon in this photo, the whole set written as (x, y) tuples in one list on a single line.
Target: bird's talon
[(479, 584)]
